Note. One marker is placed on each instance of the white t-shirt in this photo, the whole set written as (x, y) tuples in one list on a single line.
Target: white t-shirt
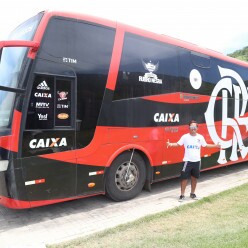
[(192, 145)]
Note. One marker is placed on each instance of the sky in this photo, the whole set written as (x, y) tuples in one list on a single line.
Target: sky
[(219, 25)]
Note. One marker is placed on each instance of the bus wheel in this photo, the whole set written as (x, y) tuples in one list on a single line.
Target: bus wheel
[(125, 179)]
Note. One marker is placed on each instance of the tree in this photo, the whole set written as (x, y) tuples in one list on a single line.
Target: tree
[(241, 54)]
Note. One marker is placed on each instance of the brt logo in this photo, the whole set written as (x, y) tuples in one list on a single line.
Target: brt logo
[(239, 94), (49, 142)]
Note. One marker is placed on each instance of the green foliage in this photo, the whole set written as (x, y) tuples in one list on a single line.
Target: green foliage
[(241, 54)]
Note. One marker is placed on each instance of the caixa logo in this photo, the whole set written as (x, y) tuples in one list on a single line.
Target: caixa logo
[(230, 134), (166, 117), (49, 142)]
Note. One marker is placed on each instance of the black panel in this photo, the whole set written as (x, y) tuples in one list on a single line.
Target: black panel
[(40, 142), (167, 171), (147, 67), (3, 186), (4, 154), (84, 178), (41, 106), (86, 49), (59, 178), (138, 112), (14, 180)]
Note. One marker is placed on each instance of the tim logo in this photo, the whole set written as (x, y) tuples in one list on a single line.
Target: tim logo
[(238, 92)]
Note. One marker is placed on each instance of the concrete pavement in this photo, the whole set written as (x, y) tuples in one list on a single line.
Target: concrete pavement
[(65, 221)]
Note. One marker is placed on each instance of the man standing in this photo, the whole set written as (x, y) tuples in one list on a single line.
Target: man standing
[(192, 142)]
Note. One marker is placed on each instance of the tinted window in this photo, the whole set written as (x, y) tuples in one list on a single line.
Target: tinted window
[(50, 103), (198, 75), (94, 46), (63, 111), (147, 67), (200, 60), (41, 105), (84, 49)]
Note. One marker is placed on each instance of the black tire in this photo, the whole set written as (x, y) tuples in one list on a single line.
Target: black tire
[(125, 180)]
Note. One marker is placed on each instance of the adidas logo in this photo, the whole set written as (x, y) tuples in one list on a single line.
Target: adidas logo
[(43, 86)]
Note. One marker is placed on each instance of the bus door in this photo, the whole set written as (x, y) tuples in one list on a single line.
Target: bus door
[(48, 147)]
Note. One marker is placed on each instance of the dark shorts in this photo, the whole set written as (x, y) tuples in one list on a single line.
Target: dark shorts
[(191, 169)]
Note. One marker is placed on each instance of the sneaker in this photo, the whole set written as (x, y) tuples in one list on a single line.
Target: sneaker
[(181, 198), (193, 196)]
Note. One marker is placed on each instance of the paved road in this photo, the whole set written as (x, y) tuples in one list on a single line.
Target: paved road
[(65, 221)]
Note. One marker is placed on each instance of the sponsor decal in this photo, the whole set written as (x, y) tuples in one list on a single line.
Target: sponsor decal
[(44, 95), (171, 129), (62, 106), (195, 79), (42, 105), (69, 60), (62, 95), (193, 147), (42, 117), (43, 86), (150, 76), (233, 124), (189, 97), (166, 117), (49, 142), (63, 116)]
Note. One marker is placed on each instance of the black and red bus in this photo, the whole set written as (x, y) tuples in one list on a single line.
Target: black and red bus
[(87, 105)]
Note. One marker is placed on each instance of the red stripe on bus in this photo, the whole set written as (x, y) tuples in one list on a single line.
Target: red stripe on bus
[(40, 181), (18, 204), (115, 60), (179, 98), (120, 139)]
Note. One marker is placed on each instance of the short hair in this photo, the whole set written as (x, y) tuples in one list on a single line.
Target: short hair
[(193, 121)]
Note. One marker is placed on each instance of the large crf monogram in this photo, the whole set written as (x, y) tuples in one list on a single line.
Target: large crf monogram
[(230, 83)]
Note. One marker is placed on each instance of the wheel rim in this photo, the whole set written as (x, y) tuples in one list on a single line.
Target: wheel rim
[(127, 175)]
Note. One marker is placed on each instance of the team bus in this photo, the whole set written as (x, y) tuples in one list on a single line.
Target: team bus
[(87, 105)]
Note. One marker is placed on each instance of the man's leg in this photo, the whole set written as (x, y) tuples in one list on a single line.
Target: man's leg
[(183, 185), (195, 173), (193, 184)]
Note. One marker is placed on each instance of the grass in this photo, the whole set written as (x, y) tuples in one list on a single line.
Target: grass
[(216, 221)]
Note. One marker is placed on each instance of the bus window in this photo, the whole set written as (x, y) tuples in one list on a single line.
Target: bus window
[(41, 106), (202, 65), (147, 67), (63, 103), (50, 104), (200, 60), (85, 49)]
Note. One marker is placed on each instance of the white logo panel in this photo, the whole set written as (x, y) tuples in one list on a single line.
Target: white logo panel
[(225, 86)]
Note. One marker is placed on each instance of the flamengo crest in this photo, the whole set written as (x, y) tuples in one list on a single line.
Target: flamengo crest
[(150, 77), (240, 99)]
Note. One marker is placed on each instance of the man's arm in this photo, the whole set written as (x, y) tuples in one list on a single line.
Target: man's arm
[(213, 145), (171, 144)]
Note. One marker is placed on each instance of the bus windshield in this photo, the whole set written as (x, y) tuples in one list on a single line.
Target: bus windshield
[(11, 62)]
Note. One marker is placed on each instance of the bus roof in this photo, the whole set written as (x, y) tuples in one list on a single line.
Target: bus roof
[(159, 37)]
